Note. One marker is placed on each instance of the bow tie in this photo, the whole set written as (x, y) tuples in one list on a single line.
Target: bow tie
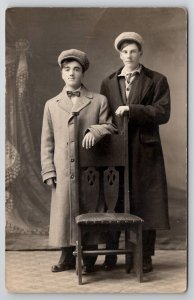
[(76, 93)]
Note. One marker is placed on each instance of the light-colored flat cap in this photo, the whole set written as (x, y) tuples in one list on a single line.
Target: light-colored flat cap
[(127, 36), (78, 55)]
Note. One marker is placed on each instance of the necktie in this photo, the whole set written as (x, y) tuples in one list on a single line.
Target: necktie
[(71, 94), (129, 78)]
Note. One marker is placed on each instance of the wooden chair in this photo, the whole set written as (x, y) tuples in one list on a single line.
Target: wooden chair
[(104, 159)]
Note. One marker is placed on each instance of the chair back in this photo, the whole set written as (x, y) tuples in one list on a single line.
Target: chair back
[(98, 170)]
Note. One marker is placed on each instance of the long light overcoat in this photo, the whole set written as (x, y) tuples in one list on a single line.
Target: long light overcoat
[(58, 154), (149, 103)]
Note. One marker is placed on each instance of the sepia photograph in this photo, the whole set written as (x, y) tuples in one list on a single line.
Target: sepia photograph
[(96, 150)]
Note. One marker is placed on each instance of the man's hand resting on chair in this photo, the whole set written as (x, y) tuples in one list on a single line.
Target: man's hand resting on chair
[(88, 140)]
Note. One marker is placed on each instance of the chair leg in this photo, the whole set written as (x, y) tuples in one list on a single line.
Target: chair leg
[(76, 258), (139, 255), (127, 256), (79, 255)]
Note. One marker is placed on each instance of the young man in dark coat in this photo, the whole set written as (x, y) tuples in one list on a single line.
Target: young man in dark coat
[(58, 150), (144, 95)]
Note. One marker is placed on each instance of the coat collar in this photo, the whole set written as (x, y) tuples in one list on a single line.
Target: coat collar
[(144, 81), (66, 104)]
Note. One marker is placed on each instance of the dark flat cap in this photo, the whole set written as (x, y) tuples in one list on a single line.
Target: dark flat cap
[(127, 36), (78, 55)]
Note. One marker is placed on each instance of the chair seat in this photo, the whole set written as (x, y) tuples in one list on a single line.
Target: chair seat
[(107, 218)]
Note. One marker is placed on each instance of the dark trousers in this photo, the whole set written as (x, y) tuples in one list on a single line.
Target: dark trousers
[(67, 257), (148, 236), (148, 241)]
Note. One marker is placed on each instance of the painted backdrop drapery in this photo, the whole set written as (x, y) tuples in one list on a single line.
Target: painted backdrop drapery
[(27, 199)]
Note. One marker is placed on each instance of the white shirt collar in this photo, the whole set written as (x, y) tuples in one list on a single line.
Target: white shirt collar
[(124, 71)]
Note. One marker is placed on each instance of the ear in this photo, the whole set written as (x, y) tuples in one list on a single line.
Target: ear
[(141, 52), (62, 73)]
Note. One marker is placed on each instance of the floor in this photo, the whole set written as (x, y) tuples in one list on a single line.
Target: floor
[(29, 272)]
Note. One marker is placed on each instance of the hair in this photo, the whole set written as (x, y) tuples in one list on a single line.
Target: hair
[(68, 60), (129, 42)]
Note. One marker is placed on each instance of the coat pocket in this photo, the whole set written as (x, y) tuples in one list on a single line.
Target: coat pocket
[(149, 135)]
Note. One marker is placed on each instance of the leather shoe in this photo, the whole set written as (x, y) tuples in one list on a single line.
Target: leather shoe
[(107, 266), (147, 264), (88, 269), (109, 262), (62, 267)]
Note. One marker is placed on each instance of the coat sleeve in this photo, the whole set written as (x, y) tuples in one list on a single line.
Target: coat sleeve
[(103, 90), (158, 112), (105, 125), (47, 146)]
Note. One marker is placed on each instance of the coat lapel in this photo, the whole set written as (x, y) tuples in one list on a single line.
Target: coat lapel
[(140, 87), (115, 90), (82, 101), (64, 101), (66, 104), (115, 97), (138, 91)]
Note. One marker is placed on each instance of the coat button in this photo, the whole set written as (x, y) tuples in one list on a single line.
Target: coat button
[(72, 159), (72, 176)]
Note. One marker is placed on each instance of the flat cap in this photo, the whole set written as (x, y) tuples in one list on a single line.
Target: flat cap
[(78, 55), (127, 36)]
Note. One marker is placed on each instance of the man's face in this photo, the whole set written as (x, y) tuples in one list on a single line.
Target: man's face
[(72, 74), (130, 55)]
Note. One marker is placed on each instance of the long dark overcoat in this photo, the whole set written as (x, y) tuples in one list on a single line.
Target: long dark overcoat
[(58, 155), (149, 103)]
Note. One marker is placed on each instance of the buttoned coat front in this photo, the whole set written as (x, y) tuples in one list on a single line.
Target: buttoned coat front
[(58, 154), (149, 104)]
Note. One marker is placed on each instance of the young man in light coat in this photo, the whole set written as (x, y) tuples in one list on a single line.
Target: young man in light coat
[(144, 95), (58, 150)]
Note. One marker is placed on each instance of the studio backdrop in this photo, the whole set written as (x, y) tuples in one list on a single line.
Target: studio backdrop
[(34, 39)]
